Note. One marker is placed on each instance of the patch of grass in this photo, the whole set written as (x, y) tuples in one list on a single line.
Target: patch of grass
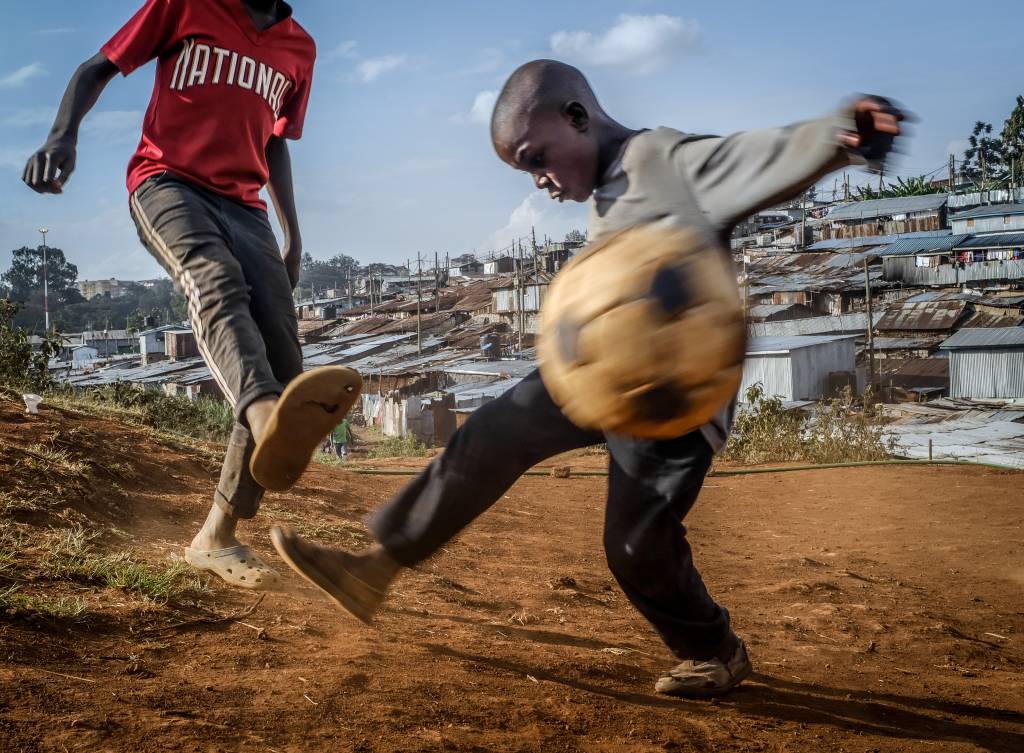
[(837, 431), (51, 459), (205, 418), (15, 604), (400, 447), (70, 555)]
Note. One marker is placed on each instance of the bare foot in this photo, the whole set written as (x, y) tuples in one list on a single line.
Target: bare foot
[(258, 413)]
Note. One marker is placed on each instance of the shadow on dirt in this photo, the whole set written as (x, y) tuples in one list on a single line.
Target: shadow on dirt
[(885, 714)]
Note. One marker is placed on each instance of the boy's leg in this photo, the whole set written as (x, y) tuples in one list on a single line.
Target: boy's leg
[(498, 443), (254, 246), (184, 228), (652, 486)]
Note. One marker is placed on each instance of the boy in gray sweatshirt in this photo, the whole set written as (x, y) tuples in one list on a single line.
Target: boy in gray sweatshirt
[(548, 123)]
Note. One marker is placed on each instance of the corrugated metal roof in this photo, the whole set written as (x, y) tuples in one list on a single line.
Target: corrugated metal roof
[(926, 245), (904, 343), (815, 325), (764, 310), (989, 211), (993, 240), (831, 244), (985, 338), (930, 315), (863, 210), (767, 345)]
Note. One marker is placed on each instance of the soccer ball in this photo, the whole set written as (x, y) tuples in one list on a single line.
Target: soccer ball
[(643, 333)]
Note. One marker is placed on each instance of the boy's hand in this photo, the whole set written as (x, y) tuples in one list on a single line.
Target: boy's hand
[(878, 124), (49, 168)]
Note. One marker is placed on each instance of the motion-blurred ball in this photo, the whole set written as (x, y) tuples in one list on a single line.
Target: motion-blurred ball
[(643, 334)]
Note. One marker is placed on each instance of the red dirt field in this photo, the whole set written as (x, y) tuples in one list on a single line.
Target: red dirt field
[(883, 608)]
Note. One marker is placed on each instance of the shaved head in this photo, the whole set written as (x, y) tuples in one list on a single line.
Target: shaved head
[(538, 87), (548, 123)]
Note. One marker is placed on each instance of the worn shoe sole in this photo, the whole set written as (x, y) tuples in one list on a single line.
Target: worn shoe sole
[(713, 691), (309, 408), (237, 566), (341, 586)]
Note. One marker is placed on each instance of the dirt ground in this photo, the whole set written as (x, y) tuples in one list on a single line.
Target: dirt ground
[(882, 607)]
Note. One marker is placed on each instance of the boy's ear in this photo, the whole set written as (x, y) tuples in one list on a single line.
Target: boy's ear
[(576, 114)]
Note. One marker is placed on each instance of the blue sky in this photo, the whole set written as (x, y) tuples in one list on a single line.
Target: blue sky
[(396, 160)]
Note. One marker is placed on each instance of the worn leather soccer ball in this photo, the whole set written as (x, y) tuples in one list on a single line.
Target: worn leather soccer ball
[(643, 333)]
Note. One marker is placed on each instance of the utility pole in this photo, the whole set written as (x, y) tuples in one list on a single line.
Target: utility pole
[(520, 293), (419, 326), (350, 286), (46, 290), (871, 327), (952, 174), (536, 251), (437, 284)]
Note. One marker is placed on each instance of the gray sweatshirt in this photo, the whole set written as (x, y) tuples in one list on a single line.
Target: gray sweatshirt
[(712, 183)]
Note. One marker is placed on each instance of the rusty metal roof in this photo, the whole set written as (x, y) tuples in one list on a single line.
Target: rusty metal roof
[(864, 210), (929, 315)]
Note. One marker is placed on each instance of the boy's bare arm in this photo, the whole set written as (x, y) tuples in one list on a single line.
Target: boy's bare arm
[(741, 174), (50, 167), (282, 193)]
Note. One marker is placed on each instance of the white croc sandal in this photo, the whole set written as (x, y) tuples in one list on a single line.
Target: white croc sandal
[(236, 565)]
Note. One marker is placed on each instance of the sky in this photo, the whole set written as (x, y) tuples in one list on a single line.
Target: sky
[(396, 158)]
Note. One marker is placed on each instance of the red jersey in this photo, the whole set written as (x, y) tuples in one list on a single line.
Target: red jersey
[(223, 88)]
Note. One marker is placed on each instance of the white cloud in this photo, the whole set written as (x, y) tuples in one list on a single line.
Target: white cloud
[(22, 76), (29, 116), (538, 212), (347, 49), (111, 127), (480, 110), (371, 69), (642, 44)]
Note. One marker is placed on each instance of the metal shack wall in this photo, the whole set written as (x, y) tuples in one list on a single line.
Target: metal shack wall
[(812, 365), (773, 370), (982, 374)]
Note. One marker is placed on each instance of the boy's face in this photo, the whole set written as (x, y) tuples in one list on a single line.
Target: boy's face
[(558, 151)]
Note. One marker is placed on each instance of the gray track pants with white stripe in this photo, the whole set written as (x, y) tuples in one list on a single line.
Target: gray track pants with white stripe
[(224, 258)]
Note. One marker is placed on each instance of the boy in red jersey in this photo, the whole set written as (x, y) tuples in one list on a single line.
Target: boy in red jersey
[(232, 83)]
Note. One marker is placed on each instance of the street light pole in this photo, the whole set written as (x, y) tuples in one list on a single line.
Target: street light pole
[(46, 291)]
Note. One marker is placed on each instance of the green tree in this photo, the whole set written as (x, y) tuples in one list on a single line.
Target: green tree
[(21, 367), (25, 277), (983, 158), (916, 186), (1012, 139), (575, 236)]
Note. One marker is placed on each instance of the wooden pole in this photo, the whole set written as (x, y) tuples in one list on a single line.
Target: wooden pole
[(419, 321), (871, 337)]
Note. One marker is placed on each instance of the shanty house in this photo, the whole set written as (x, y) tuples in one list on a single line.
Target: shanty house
[(881, 216), (805, 367), (986, 363), (994, 218), (952, 259)]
